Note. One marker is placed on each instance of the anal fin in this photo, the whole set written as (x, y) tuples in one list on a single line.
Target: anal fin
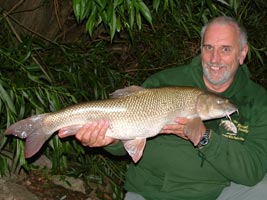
[(135, 148), (193, 130)]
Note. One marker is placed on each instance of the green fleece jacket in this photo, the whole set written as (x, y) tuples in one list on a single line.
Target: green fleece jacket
[(171, 168)]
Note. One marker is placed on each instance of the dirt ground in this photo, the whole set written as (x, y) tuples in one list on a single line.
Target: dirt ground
[(45, 189)]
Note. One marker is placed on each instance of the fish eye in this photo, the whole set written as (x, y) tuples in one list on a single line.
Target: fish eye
[(220, 101)]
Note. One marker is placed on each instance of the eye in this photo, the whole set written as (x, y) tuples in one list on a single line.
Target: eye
[(207, 47), (226, 49), (220, 101)]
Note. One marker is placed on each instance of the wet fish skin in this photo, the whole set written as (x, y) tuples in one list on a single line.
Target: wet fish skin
[(134, 114)]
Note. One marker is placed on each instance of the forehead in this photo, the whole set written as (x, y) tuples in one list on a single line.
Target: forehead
[(221, 34)]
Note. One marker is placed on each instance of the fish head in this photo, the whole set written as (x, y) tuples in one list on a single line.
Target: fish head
[(212, 106)]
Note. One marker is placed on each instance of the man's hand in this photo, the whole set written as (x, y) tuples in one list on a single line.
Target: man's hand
[(94, 134), (188, 129)]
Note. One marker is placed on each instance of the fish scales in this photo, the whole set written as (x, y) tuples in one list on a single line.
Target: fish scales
[(134, 114), (125, 116)]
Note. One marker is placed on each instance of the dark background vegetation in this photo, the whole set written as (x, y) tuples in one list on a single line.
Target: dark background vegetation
[(51, 58)]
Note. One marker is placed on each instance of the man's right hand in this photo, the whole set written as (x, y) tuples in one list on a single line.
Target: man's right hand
[(188, 129), (94, 134)]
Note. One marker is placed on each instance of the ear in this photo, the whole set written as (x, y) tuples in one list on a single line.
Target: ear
[(243, 54)]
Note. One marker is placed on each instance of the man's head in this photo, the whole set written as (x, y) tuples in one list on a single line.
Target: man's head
[(223, 48)]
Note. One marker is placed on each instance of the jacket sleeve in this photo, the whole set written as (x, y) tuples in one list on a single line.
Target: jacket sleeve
[(241, 158), (116, 149)]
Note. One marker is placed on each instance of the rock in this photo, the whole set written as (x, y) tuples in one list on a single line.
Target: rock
[(70, 183), (12, 191), (43, 162)]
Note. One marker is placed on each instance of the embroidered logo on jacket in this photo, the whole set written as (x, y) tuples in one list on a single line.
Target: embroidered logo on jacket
[(235, 130), (229, 126)]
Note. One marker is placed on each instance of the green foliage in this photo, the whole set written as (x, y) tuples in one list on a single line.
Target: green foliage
[(114, 15), (69, 74), (38, 77)]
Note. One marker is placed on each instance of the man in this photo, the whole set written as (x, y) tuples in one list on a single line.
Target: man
[(236, 151)]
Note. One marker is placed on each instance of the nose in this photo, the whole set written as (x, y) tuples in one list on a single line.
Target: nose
[(215, 56)]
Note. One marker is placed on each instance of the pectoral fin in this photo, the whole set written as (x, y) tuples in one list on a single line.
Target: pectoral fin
[(69, 130), (193, 130), (135, 148)]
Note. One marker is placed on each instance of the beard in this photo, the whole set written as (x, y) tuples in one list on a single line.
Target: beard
[(216, 77)]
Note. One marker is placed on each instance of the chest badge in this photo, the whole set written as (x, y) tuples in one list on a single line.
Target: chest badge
[(229, 126)]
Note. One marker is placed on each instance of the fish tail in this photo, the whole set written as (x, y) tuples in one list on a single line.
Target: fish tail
[(33, 130)]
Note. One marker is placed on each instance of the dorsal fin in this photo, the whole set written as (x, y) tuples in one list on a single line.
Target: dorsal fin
[(126, 91)]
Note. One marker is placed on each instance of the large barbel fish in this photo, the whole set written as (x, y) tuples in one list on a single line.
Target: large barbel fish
[(134, 114)]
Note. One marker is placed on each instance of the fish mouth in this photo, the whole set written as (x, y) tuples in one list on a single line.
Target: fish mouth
[(230, 112)]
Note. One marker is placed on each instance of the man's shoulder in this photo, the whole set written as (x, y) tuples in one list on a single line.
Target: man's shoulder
[(178, 75), (256, 90), (180, 69), (254, 93)]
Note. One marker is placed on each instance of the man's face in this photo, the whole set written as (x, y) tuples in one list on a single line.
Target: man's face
[(221, 54)]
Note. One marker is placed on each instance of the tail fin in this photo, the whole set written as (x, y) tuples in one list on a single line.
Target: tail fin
[(33, 130)]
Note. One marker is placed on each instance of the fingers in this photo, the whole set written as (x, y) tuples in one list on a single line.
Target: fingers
[(188, 129), (93, 134), (177, 129), (172, 128), (194, 130), (182, 120)]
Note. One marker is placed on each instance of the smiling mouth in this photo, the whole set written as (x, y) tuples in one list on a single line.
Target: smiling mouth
[(216, 70), (216, 67)]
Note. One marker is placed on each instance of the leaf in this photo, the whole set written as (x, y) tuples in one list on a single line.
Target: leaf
[(40, 96), (110, 12), (103, 16), (91, 22), (82, 8), (145, 11), (87, 7), (77, 9), (156, 5), (113, 25), (138, 20), (131, 14), (34, 78), (2, 143), (25, 58), (6, 98), (4, 165), (165, 5), (118, 25), (171, 5), (101, 3), (34, 106), (33, 68), (22, 108), (224, 2)]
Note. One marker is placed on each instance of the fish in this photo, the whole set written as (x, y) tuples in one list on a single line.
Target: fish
[(134, 114)]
